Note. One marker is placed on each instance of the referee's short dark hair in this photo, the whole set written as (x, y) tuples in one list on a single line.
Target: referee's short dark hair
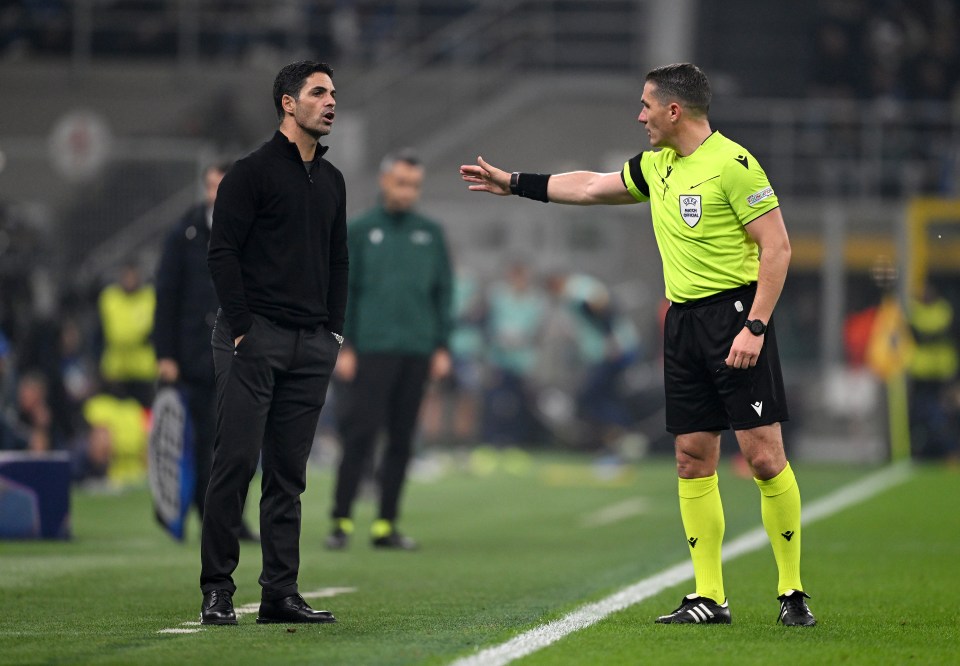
[(683, 82), (405, 155), (291, 78)]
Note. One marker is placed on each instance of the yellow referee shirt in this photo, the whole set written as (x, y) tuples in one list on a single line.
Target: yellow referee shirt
[(700, 204)]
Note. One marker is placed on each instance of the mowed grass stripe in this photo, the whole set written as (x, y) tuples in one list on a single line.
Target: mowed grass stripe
[(547, 634)]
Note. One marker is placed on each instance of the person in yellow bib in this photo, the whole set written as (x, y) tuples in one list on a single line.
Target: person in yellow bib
[(128, 362), (725, 253)]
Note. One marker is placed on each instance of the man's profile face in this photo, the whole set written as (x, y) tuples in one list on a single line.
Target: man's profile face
[(655, 116)]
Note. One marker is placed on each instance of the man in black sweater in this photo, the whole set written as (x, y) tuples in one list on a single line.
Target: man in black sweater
[(278, 258)]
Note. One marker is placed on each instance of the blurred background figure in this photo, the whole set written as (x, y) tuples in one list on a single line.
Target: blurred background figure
[(186, 312), (397, 334), (516, 308), (609, 345), (116, 453), (451, 408), (128, 364), (26, 425), (931, 371)]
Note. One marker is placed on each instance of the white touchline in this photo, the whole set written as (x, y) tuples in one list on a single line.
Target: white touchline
[(615, 513), (246, 609), (585, 616)]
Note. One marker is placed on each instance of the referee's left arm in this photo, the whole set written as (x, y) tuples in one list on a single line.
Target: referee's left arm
[(770, 235)]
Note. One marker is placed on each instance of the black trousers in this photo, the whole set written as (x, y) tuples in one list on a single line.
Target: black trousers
[(201, 401), (386, 393), (270, 390)]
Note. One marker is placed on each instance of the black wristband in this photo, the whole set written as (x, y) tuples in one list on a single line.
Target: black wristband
[(513, 182), (531, 185)]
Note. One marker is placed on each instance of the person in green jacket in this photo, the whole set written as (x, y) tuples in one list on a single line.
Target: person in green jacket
[(396, 338)]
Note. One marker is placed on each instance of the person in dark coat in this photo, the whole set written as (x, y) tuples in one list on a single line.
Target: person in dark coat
[(186, 311)]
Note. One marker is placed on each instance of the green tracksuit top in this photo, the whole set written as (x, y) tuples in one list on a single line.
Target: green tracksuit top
[(400, 284)]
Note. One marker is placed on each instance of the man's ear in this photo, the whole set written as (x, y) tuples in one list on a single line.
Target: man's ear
[(675, 111), (288, 103)]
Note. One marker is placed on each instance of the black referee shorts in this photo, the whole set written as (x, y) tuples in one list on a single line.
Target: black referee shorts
[(703, 393)]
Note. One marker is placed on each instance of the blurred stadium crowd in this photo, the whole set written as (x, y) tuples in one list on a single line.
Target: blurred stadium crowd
[(540, 358)]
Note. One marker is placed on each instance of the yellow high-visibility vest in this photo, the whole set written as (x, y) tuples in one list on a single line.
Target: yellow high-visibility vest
[(127, 320), (935, 353)]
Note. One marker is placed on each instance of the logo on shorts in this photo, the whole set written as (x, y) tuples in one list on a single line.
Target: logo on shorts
[(690, 209), (376, 236), (757, 406)]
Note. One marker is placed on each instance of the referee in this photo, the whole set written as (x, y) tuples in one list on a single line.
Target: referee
[(725, 254)]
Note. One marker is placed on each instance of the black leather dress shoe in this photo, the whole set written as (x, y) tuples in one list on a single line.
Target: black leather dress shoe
[(217, 608), (291, 609)]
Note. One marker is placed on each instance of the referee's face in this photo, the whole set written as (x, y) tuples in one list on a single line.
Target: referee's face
[(655, 116)]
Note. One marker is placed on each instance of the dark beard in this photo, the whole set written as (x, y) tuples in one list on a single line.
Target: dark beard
[(314, 133)]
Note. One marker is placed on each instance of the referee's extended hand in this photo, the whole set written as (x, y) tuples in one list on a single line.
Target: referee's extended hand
[(485, 177), (745, 350)]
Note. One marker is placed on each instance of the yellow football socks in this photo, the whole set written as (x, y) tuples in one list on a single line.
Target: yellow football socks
[(702, 514), (780, 509)]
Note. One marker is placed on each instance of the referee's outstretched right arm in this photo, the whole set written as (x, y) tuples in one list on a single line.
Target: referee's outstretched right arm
[(583, 188)]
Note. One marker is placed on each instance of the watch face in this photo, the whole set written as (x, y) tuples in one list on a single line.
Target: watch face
[(757, 327)]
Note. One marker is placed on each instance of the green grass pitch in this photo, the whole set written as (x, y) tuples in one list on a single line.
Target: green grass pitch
[(502, 553)]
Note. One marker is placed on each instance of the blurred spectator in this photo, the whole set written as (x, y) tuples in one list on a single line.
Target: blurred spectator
[(467, 349), (118, 438), (516, 308), (451, 407), (127, 360), (27, 424), (892, 50), (77, 374), (608, 345), (41, 352), (931, 370)]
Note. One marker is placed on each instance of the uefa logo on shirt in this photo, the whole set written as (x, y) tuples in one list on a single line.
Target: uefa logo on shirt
[(690, 209)]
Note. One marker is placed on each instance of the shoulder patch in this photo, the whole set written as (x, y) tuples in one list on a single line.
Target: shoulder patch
[(743, 160), (757, 197)]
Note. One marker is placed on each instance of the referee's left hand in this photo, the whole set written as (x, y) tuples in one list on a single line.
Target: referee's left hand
[(745, 350)]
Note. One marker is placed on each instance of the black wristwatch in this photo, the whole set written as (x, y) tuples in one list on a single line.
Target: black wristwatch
[(755, 326)]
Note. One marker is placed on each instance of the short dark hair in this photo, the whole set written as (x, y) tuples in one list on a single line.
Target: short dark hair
[(291, 78), (405, 155), (683, 82)]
